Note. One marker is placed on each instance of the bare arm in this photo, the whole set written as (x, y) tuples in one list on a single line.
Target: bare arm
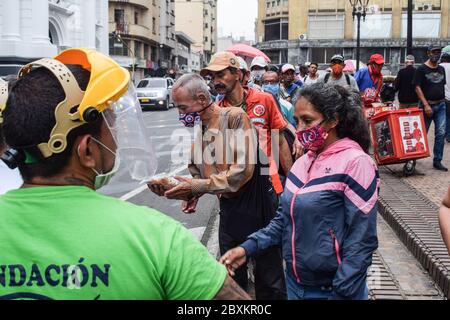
[(231, 291), (424, 101), (444, 220)]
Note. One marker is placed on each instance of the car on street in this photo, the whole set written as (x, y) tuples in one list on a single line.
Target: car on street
[(155, 93)]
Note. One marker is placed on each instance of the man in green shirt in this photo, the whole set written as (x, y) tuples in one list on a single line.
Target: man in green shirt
[(58, 237)]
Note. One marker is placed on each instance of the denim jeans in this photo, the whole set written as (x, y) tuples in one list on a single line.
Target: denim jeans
[(296, 291), (439, 115), (447, 130)]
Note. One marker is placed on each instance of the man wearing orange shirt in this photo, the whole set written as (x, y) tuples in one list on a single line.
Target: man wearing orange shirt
[(260, 107)]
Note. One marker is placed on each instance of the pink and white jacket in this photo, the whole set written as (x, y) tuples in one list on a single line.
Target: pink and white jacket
[(326, 221)]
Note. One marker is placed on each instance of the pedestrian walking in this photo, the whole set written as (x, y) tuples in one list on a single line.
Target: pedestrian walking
[(370, 80), (261, 108), (271, 84), (403, 84), (337, 76), (326, 221), (312, 77), (288, 89), (430, 81)]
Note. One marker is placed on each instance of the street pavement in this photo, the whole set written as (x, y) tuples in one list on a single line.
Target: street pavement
[(170, 139)]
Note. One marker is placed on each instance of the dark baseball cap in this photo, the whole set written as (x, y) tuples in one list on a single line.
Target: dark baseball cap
[(433, 47)]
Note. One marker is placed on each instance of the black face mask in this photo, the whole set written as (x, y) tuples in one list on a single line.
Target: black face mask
[(435, 58)]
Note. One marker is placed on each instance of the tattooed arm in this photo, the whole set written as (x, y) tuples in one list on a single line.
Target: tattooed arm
[(231, 291)]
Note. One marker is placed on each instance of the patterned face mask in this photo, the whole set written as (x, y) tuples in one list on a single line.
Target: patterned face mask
[(190, 119), (313, 139)]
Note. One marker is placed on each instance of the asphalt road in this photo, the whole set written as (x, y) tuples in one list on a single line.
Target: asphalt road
[(171, 142)]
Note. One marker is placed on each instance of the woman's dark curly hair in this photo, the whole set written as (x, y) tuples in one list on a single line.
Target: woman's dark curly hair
[(335, 102)]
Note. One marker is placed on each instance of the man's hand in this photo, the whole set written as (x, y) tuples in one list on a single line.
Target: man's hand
[(298, 149), (157, 189), (189, 206), (428, 111), (233, 260), (181, 192)]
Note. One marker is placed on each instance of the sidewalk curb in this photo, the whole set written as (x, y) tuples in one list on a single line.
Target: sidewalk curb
[(414, 219)]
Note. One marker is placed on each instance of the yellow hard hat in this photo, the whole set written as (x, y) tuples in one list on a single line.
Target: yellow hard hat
[(108, 82)]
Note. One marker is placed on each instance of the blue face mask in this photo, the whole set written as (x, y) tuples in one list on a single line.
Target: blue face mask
[(272, 88)]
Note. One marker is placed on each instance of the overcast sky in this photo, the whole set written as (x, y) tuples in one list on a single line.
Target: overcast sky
[(237, 17)]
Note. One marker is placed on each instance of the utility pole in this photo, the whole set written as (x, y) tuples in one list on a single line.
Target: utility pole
[(409, 39)]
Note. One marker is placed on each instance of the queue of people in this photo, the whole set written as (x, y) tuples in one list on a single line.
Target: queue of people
[(289, 163)]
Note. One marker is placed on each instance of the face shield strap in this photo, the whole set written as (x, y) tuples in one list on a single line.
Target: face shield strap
[(66, 117)]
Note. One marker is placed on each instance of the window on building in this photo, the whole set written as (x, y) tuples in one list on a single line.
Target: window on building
[(277, 29), (117, 48), (329, 26), (376, 26), (136, 17), (146, 51), (138, 49), (425, 26), (119, 16), (154, 25)]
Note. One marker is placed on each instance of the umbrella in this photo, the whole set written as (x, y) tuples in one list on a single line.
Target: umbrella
[(241, 49), (446, 49), (350, 66)]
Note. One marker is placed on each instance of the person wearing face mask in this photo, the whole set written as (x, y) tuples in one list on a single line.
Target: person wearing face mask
[(71, 123), (271, 84), (326, 221), (288, 89), (337, 75), (370, 80), (260, 107), (430, 82), (246, 197), (258, 67)]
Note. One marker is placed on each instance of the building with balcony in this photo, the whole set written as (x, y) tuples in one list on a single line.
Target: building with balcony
[(134, 35), (198, 20), (183, 53), (314, 30), (32, 29)]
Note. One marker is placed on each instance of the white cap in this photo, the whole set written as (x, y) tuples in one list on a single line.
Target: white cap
[(243, 65), (259, 61), (287, 67)]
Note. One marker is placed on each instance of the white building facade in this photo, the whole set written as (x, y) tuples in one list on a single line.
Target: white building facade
[(31, 29)]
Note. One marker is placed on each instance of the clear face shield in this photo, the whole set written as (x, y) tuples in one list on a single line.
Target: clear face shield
[(134, 153)]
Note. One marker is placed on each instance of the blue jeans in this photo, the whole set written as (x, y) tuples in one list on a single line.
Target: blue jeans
[(439, 115), (296, 291), (447, 130)]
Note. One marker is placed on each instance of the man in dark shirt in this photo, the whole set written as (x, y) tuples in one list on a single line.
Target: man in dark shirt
[(430, 83), (407, 95)]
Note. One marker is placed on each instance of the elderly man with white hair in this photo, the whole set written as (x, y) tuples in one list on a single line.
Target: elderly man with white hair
[(228, 166)]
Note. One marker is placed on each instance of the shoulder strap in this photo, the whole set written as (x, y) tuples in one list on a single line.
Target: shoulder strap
[(347, 77), (327, 77)]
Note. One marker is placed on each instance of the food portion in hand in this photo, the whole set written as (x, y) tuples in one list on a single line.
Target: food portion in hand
[(166, 183)]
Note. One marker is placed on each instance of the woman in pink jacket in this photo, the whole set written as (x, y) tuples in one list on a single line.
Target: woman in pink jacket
[(326, 221)]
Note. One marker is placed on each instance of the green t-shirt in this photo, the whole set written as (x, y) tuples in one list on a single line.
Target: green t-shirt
[(69, 243)]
